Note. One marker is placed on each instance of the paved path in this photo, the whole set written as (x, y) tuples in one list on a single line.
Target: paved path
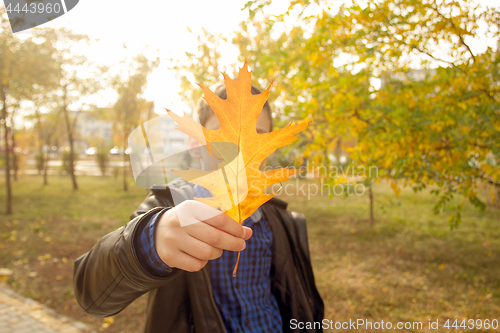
[(22, 315)]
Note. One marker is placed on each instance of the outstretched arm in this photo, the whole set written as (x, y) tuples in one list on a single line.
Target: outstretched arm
[(110, 276)]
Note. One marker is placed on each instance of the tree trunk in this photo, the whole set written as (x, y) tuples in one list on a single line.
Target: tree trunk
[(45, 171), (370, 195), (46, 168), (69, 131), (125, 158), (8, 207), (40, 148), (72, 161), (42, 159), (15, 162), (338, 149)]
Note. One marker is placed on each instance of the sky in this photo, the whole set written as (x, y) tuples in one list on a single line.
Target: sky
[(162, 27), (159, 28)]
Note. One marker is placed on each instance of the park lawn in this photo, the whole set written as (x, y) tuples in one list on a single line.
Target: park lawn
[(408, 267)]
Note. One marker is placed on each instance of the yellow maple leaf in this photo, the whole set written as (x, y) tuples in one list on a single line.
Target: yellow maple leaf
[(237, 185)]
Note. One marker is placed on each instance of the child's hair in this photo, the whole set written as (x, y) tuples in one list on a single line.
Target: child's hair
[(205, 111)]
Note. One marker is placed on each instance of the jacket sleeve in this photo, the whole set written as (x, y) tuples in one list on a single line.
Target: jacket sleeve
[(109, 277)]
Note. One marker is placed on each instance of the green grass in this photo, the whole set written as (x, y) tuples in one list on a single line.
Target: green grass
[(51, 227), (408, 267)]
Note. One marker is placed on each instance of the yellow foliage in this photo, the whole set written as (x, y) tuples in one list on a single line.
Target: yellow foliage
[(395, 188)]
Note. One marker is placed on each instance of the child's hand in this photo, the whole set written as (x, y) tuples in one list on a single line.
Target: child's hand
[(189, 247)]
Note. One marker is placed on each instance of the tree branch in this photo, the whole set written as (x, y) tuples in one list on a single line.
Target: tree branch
[(430, 55), (462, 41), (74, 121), (356, 114), (401, 41), (489, 179)]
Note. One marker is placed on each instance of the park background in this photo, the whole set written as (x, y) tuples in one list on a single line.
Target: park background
[(410, 88)]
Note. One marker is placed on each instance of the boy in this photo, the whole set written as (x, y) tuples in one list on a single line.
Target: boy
[(187, 271)]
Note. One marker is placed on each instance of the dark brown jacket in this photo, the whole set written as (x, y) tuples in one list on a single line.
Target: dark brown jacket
[(109, 277)]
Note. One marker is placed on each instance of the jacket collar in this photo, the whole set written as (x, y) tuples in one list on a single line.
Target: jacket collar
[(277, 202)]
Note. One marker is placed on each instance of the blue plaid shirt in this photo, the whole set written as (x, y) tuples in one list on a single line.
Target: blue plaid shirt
[(245, 302)]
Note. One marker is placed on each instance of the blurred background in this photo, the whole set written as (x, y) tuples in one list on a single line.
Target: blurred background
[(405, 101)]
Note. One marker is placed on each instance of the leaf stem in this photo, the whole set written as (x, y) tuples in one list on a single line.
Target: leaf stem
[(236, 266)]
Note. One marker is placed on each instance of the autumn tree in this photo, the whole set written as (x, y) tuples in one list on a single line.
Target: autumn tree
[(200, 67), (25, 65), (77, 81), (130, 102), (49, 128), (433, 119)]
